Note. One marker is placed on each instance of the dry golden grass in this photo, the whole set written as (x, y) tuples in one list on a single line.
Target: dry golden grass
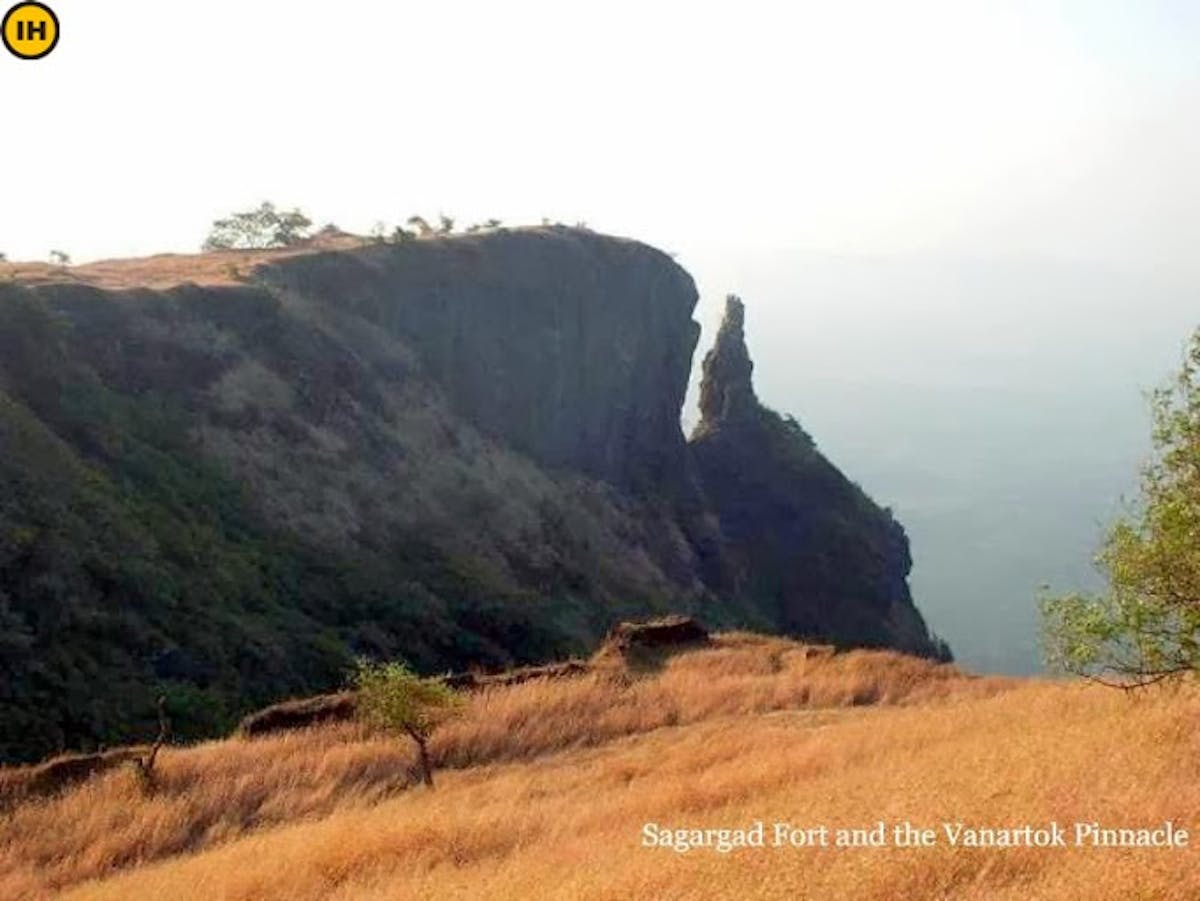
[(166, 270), (550, 784)]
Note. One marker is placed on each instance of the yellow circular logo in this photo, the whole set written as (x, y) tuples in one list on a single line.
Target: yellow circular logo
[(30, 30)]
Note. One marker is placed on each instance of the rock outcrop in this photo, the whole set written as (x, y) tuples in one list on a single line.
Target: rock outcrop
[(674, 631), (464, 451), (51, 777), (801, 542), (572, 348), (300, 713), (727, 390)]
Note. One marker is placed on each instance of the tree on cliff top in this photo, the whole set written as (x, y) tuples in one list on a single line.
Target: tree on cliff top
[(394, 698), (1146, 628), (258, 229)]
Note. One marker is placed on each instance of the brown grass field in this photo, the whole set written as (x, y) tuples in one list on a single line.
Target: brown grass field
[(215, 267), (544, 788), (167, 270)]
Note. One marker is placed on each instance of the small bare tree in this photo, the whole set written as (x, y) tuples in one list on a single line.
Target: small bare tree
[(144, 764)]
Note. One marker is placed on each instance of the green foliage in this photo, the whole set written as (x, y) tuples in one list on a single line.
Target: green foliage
[(1146, 628), (394, 698), (133, 571), (391, 696), (134, 565), (197, 713), (257, 229)]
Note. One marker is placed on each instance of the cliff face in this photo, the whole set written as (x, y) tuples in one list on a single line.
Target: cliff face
[(800, 540), (573, 349), (463, 451)]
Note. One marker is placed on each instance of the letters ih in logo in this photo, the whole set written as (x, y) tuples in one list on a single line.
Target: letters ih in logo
[(30, 30)]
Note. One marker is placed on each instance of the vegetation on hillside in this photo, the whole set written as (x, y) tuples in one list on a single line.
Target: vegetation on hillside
[(223, 495), (1146, 628), (131, 565), (391, 697), (218, 792), (257, 229), (548, 784), (267, 227)]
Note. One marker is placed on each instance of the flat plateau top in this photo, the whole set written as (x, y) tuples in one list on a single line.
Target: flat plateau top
[(229, 267), (222, 267)]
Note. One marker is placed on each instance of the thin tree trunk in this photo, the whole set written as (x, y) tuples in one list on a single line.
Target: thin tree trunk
[(423, 758)]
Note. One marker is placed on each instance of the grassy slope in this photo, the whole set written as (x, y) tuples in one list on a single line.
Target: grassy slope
[(548, 785)]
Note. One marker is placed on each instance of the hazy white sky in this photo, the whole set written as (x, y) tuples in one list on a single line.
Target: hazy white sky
[(1061, 129), (966, 231)]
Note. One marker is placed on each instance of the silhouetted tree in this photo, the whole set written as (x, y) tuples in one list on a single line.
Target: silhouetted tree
[(486, 225), (424, 229), (258, 229)]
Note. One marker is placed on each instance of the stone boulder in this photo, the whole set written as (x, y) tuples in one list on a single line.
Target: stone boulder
[(300, 714), (673, 631)]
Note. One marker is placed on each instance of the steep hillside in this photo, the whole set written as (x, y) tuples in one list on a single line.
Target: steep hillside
[(465, 451)]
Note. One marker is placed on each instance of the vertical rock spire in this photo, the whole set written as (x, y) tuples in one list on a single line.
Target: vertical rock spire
[(727, 389), (799, 542)]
